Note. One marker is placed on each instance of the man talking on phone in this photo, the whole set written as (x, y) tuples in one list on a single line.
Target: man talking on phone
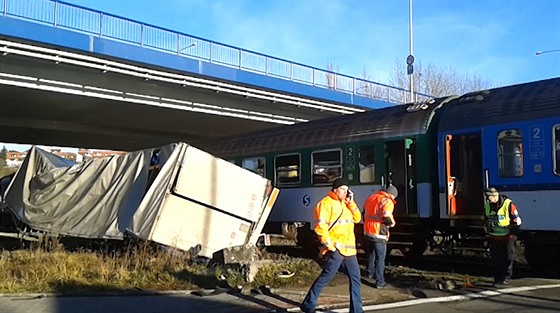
[(335, 216)]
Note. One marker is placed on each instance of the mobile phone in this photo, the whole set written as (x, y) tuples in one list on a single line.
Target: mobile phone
[(349, 194)]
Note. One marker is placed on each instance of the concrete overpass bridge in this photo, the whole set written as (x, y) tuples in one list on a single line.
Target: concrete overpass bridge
[(71, 76)]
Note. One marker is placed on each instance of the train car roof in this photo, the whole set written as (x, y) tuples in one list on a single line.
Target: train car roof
[(394, 121), (522, 102)]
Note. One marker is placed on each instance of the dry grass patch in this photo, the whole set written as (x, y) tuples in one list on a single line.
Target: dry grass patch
[(5, 171), (277, 273), (49, 268)]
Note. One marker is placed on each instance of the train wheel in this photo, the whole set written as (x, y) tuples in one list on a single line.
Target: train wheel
[(442, 242), (307, 240), (543, 259), (416, 250), (389, 249), (289, 230)]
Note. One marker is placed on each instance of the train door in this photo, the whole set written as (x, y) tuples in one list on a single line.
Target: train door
[(463, 174), (401, 172)]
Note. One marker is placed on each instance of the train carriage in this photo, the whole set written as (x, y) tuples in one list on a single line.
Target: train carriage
[(508, 138), (372, 149), (440, 155)]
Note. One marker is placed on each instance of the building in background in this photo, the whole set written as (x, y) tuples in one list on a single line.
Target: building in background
[(15, 158)]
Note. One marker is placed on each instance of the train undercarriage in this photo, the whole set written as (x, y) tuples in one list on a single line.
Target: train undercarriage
[(540, 250)]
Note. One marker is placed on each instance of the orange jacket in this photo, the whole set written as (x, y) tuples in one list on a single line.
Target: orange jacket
[(376, 208), (341, 235)]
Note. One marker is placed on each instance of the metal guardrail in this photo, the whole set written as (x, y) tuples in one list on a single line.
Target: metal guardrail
[(59, 14)]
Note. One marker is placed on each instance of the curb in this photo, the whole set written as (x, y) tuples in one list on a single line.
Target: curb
[(303, 293), (97, 294)]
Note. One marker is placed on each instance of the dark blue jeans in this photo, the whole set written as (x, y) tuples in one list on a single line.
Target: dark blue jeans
[(376, 251), (333, 262), (503, 255)]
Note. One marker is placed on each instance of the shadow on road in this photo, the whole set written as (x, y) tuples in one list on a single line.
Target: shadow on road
[(74, 297)]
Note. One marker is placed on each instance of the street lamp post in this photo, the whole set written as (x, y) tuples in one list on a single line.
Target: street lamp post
[(410, 58), (546, 51)]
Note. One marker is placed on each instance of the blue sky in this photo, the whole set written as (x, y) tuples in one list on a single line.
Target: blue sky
[(495, 40)]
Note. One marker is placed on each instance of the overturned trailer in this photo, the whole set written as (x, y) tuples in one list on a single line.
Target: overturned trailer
[(175, 195)]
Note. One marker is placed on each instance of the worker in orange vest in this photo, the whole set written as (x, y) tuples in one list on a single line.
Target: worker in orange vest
[(335, 216), (378, 218)]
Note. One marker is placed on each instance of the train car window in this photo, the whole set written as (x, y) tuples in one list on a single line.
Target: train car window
[(556, 149), (510, 153), (255, 165), (367, 164), (326, 165), (287, 169)]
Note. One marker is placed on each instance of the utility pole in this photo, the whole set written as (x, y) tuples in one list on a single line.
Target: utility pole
[(410, 58)]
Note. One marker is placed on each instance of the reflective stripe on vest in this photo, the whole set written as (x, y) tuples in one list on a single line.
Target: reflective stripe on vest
[(378, 236)]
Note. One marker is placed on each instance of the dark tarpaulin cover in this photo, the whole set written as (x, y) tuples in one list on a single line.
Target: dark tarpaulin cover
[(96, 198)]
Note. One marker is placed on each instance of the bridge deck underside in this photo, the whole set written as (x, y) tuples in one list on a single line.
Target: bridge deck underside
[(33, 115)]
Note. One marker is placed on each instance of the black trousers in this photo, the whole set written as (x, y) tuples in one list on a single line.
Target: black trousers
[(503, 255)]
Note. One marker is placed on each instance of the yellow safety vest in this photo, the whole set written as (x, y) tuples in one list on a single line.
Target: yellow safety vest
[(500, 219)]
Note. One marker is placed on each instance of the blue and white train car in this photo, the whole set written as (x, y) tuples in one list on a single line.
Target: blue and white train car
[(508, 138)]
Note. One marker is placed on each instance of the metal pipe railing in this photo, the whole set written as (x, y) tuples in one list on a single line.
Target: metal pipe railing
[(60, 14)]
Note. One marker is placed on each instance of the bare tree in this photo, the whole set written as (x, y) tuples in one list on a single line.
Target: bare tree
[(364, 87), (331, 77), (432, 81), (368, 87), (435, 81)]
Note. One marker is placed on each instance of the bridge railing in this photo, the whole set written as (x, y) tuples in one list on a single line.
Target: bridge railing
[(59, 14)]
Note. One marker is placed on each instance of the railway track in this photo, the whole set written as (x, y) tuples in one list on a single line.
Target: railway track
[(474, 266)]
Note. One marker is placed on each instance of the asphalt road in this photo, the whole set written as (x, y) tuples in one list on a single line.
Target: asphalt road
[(528, 295), (511, 299)]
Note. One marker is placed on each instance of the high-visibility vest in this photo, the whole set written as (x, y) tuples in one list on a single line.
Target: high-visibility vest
[(500, 219), (334, 224), (376, 208)]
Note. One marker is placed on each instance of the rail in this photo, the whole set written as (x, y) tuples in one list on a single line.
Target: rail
[(63, 15)]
